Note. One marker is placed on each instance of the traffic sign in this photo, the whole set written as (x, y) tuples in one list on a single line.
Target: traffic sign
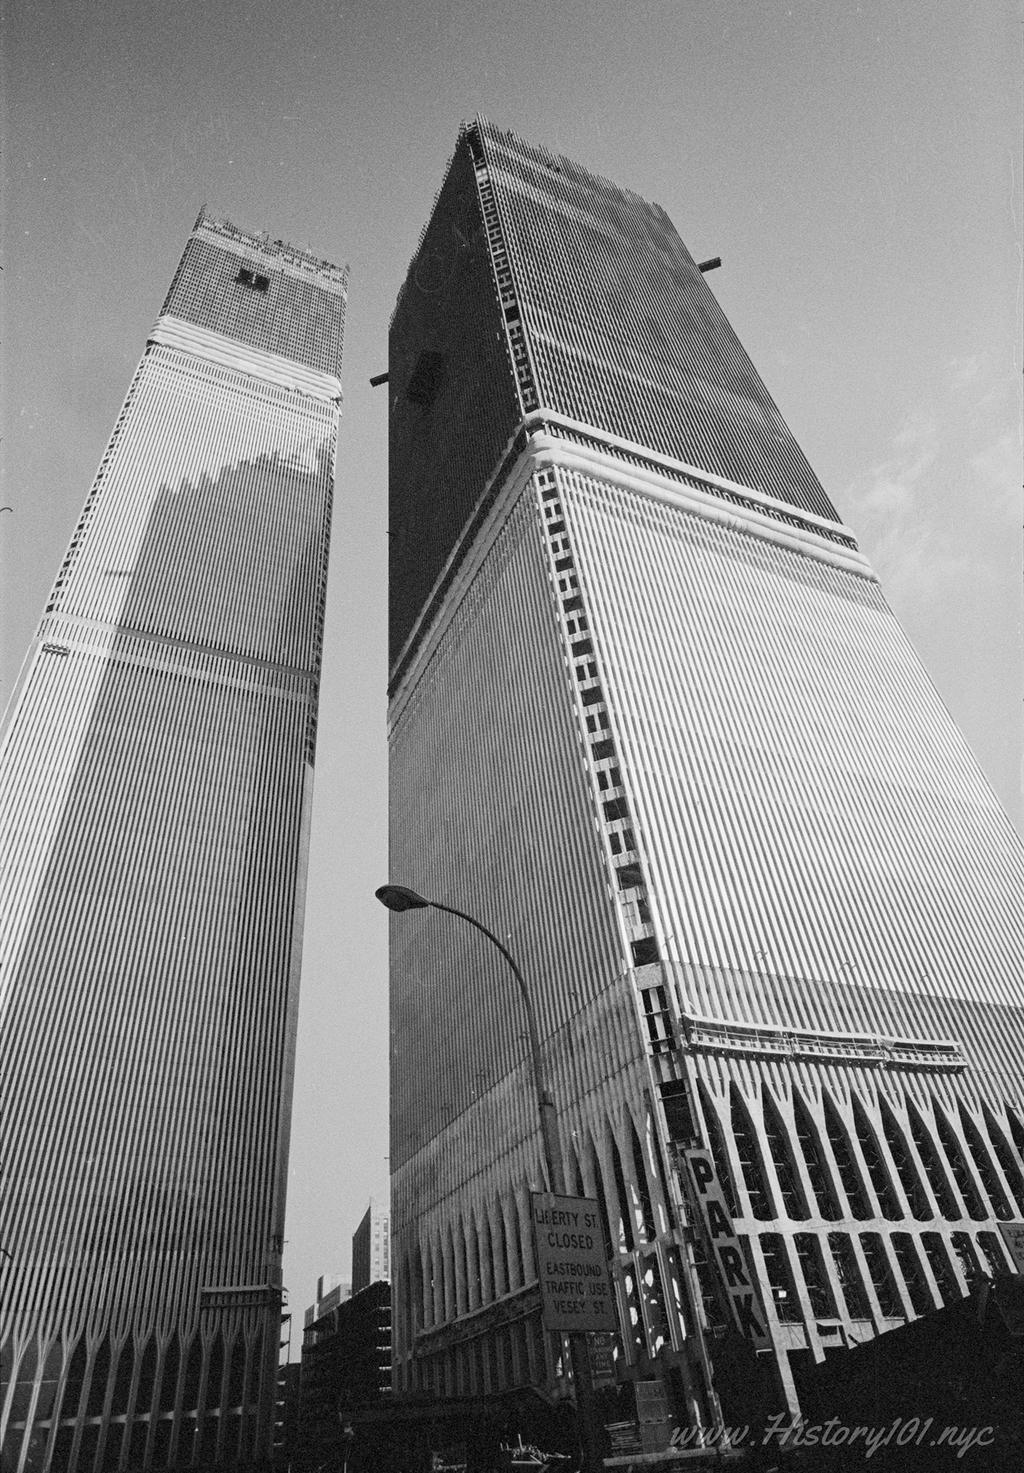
[(575, 1285)]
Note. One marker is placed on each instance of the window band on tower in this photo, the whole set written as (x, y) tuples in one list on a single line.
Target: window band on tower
[(605, 771), (518, 344)]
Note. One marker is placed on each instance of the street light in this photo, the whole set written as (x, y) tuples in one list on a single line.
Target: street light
[(399, 898)]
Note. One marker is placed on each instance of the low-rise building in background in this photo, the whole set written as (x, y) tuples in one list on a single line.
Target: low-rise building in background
[(346, 1348)]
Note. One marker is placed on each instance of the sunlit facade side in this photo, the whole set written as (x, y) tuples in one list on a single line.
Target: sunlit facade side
[(653, 721), (154, 808)]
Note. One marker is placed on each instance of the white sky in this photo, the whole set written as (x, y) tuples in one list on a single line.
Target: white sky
[(857, 166)]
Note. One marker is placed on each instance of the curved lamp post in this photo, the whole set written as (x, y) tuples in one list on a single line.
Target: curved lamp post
[(399, 898)]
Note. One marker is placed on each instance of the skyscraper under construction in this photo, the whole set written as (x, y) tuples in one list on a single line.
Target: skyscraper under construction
[(653, 722), (154, 802)]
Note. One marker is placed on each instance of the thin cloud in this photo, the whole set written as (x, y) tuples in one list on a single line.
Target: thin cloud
[(933, 510)]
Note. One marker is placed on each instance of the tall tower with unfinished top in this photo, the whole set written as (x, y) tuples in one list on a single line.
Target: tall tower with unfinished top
[(154, 810), (653, 722)]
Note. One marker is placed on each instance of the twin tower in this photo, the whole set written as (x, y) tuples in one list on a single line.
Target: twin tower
[(650, 719)]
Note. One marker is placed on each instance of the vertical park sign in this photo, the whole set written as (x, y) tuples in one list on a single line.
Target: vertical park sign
[(734, 1281), (575, 1285)]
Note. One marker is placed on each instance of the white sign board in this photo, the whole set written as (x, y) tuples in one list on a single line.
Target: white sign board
[(1013, 1236), (575, 1285)]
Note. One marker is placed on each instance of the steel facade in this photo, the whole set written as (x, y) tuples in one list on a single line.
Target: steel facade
[(156, 782), (653, 722)]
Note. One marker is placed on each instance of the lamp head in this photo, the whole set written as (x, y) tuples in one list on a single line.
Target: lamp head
[(398, 898)]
